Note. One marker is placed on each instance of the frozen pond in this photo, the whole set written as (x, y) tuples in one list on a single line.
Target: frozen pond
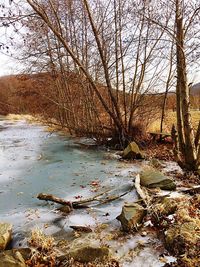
[(32, 161)]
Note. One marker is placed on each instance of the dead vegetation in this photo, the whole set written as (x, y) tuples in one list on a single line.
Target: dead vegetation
[(33, 94), (43, 253), (177, 221), (79, 112)]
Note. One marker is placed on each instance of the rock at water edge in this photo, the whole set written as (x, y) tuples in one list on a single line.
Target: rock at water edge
[(131, 216), (132, 151), (153, 178), (88, 253), (11, 258), (5, 234)]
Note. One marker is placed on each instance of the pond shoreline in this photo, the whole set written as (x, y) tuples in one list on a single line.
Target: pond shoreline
[(118, 174)]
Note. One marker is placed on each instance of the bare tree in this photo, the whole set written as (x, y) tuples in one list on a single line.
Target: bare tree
[(168, 85), (185, 16), (123, 49)]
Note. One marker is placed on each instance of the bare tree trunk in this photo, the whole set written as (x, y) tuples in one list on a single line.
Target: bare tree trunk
[(197, 137), (123, 135), (169, 78), (182, 91), (116, 52)]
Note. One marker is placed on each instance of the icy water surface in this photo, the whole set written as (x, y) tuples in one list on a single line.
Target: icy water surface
[(32, 161)]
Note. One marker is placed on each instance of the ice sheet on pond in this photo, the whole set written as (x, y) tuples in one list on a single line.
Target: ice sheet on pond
[(34, 161)]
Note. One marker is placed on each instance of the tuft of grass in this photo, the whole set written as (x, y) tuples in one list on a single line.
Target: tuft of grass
[(41, 241), (43, 252), (17, 117)]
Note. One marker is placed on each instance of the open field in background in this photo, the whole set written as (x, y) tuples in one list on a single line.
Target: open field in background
[(170, 119)]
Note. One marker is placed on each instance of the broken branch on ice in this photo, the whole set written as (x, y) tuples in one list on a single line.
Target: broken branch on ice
[(50, 197), (102, 198), (144, 196)]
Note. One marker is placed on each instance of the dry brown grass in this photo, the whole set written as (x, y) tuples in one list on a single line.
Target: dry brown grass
[(43, 253), (170, 119), (40, 240), (19, 117)]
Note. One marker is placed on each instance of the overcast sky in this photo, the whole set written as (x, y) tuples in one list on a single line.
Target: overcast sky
[(8, 65)]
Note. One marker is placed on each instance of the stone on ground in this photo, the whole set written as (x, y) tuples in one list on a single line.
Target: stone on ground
[(11, 258), (5, 235), (153, 178), (131, 216), (88, 253), (132, 151), (87, 249)]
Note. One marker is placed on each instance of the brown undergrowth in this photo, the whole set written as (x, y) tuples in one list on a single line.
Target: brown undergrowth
[(161, 151), (177, 221), (45, 253)]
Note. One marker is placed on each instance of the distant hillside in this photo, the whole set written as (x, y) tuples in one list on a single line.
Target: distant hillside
[(195, 89), (42, 94)]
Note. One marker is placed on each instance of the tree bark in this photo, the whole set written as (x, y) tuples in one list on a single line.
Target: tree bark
[(50, 197), (169, 78), (185, 129)]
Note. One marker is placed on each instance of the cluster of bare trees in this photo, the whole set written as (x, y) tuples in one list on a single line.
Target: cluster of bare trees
[(112, 49), (116, 53)]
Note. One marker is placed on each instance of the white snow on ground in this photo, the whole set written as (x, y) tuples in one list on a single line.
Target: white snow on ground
[(171, 166), (130, 171)]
